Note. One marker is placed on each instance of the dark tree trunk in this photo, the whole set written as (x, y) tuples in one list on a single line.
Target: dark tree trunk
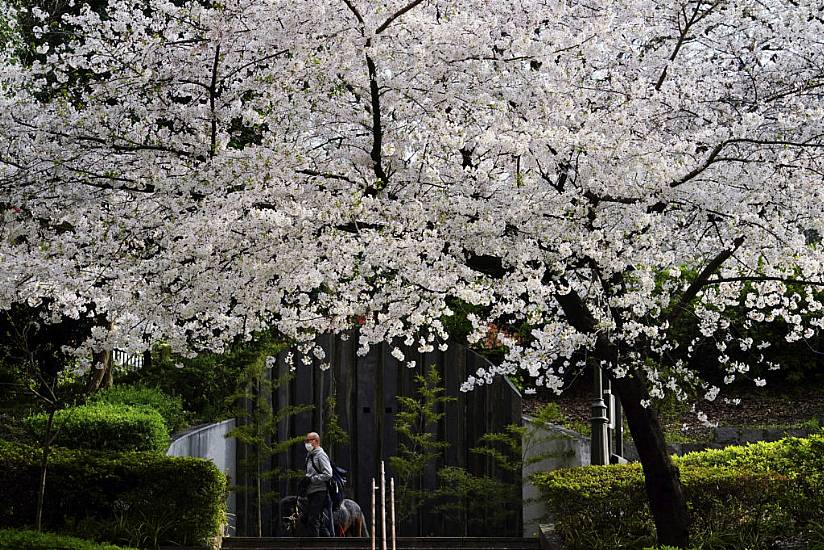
[(101, 375), (661, 477), (44, 463)]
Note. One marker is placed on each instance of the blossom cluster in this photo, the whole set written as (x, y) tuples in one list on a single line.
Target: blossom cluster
[(224, 168)]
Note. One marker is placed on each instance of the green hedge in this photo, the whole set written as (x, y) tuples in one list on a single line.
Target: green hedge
[(744, 496), (138, 499), (170, 408), (33, 540), (106, 426)]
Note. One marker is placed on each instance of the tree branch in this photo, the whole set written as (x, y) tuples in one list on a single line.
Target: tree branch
[(697, 171), (149, 189), (253, 62), (696, 16), (594, 198), (355, 11), (757, 279), (486, 264), (376, 154), (326, 175), (713, 156), (576, 311), (394, 16), (212, 95), (702, 279)]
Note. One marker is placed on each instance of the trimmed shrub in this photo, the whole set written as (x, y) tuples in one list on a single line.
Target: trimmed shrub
[(140, 499), (170, 408), (799, 460), (790, 456), (107, 427), (739, 497), (33, 540)]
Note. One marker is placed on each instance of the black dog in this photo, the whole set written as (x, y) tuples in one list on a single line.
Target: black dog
[(348, 518)]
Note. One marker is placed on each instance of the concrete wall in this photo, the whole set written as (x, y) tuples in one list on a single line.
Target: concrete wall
[(210, 442), (547, 447)]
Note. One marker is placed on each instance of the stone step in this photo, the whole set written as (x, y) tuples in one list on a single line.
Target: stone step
[(403, 543)]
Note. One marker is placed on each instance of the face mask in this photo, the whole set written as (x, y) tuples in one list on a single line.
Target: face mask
[(308, 446)]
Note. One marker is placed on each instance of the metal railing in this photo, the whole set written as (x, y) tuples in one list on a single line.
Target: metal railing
[(130, 361)]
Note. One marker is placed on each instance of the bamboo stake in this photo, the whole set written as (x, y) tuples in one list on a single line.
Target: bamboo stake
[(374, 488), (383, 508), (392, 508)]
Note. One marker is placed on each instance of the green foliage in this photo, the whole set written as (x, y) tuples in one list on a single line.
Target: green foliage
[(504, 448), (14, 428), (106, 426), (33, 356), (33, 540), (811, 424), (333, 433), (739, 497), (478, 503), (170, 408), (417, 443), (204, 382), (551, 413), (139, 499), (9, 36), (815, 535), (457, 325), (790, 456), (485, 504)]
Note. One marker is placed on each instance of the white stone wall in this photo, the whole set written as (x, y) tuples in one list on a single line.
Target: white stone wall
[(547, 447)]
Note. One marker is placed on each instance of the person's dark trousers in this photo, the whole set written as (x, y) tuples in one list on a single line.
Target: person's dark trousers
[(330, 516), (316, 506)]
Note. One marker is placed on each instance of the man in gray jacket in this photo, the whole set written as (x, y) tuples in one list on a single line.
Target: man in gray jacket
[(319, 471)]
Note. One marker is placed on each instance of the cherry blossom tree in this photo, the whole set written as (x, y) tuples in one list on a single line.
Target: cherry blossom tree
[(201, 171)]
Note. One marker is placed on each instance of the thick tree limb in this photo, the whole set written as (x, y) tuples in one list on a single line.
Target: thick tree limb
[(488, 265), (713, 156), (212, 96), (661, 477), (596, 198), (577, 313), (148, 189), (706, 164), (376, 154)]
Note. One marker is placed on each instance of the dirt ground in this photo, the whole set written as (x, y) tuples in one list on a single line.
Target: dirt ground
[(758, 408)]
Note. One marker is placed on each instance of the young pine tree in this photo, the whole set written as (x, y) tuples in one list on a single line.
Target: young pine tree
[(257, 428), (418, 445)]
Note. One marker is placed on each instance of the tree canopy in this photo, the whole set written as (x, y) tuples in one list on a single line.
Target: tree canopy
[(302, 164), (594, 170)]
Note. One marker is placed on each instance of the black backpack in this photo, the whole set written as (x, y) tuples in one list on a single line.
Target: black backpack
[(335, 484)]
